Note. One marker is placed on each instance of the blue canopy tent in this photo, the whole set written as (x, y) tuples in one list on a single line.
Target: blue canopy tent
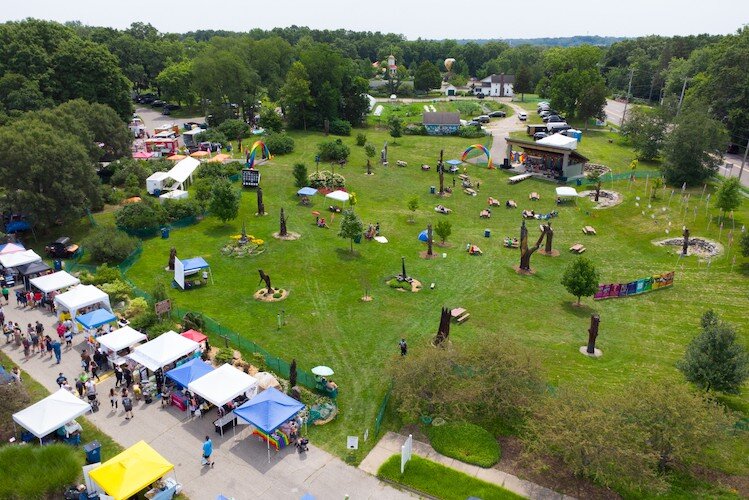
[(268, 411), (187, 372), (424, 236), (183, 268), (96, 318), (454, 164), (307, 191)]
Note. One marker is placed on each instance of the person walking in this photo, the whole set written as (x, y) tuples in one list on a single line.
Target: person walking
[(26, 347), (117, 375), (85, 360), (6, 293), (68, 336), (17, 336), (79, 386), (8, 332), (207, 452), (61, 379), (93, 367), (90, 390), (127, 374), (127, 405), (113, 399), (57, 350), (48, 345), (403, 346), (33, 337)]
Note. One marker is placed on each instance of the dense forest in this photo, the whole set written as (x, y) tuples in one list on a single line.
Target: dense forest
[(322, 74)]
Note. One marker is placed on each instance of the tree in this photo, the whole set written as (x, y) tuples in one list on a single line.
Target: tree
[(645, 130), (443, 229), (522, 83), (109, 244), (300, 175), (694, 148), (592, 100), (427, 77), (175, 82), (110, 136), (235, 129), (20, 93), (270, 120), (395, 127), (714, 359), (351, 227), (581, 278), (224, 202), (370, 151), (413, 205), (728, 196), (292, 375), (744, 243)]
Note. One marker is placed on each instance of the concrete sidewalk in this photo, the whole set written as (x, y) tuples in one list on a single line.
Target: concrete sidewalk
[(242, 469), (391, 443)]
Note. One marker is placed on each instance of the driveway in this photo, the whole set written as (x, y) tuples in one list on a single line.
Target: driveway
[(500, 130), (153, 118), (242, 469), (614, 112)]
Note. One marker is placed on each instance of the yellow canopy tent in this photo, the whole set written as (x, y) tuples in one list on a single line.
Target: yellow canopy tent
[(131, 471)]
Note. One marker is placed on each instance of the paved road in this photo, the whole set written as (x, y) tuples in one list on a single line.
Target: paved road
[(242, 469), (614, 111), (500, 130)]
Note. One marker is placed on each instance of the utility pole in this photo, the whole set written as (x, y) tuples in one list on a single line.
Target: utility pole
[(743, 161), (629, 92), (681, 97)]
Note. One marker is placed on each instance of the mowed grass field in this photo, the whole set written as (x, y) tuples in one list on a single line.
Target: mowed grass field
[(642, 337)]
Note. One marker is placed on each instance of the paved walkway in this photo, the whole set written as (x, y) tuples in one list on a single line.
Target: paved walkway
[(242, 469), (391, 444), (500, 130)]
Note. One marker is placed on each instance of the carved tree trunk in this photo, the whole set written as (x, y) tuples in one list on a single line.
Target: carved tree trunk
[(525, 252), (369, 167), (598, 190), (430, 241), (260, 205), (266, 278), (593, 333), (443, 332), (282, 230), (441, 172), (403, 268), (549, 232), (172, 256), (685, 245)]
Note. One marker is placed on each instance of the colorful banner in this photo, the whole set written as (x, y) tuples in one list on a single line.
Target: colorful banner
[(614, 290)]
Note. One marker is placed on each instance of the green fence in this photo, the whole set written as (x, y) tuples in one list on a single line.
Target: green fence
[(149, 232), (381, 410), (637, 174)]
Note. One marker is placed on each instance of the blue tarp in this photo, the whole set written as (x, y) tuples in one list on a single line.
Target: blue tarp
[(190, 371), (454, 162), (307, 191), (269, 409), (424, 236), (96, 318), (195, 263), (17, 226)]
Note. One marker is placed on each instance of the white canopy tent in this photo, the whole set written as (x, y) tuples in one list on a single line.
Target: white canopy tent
[(559, 140), (120, 339), (18, 259), (339, 195), (51, 413), (164, 349), (79, 297), (55, 281), (176, 194), (183, 171), (566, 192), (223, 384)]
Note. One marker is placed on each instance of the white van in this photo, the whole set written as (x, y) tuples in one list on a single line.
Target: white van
[(522, 116)]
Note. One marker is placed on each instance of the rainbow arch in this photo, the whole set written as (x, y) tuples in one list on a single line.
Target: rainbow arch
[(481, 148), (264, 153)]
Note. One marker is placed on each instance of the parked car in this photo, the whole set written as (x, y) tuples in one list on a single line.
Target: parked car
[(497, 114), (553, 118), (172, 106), (158, 103), (145, 98), (61, 248), (480, 95), (546, 112), (210, 146), (522, 116), (540, 135), (473, 123), (482, 119)]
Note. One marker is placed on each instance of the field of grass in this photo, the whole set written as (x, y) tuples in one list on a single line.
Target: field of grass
[(439, 481), (466, 442), (412, 113)]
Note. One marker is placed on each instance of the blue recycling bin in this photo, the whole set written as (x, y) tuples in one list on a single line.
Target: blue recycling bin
[(93, 452), (432, 189), (164, 233), (487, 233), (58, 264)]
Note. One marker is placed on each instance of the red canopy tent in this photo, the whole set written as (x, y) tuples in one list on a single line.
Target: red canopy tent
[(195, 336)]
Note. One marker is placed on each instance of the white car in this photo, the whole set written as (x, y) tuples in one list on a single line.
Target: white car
[(522, 116)]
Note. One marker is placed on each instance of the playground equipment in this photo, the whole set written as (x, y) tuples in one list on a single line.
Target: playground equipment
[(481, 148), (264, 153)]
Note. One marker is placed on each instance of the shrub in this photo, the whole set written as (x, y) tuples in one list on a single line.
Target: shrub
[(15, 397), (194, 321), (466, 442), (333, 150), (471, 132), (109, 244), (340, 127), (224, 355), (415, 129), (144, 321), (111, 195), (234, 129), (159, 291), (38, 472), (214, 169), (212, 135), (103, 274), (326, 179), (122, 169), (279, 144), (203, 191), (141, 215), (118, 290), (137, 306), (180, 209), (270, 120), (300, 175), (370, 151), (361, 139)]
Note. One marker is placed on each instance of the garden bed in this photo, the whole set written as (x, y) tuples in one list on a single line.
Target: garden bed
[(466, 442), (701, 247), (606, 199)]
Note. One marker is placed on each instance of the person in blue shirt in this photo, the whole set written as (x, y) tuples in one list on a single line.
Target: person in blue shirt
[(207, 451)]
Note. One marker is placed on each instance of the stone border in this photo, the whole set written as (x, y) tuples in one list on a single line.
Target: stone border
[(263, 296), (607, 198), (714, 248), (290, 236)]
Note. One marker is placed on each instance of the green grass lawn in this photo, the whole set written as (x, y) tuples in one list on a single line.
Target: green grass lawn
[(466, 442), (439, 481), (412, 113)]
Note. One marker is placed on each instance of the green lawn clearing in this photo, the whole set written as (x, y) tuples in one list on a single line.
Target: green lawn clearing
[(31, 472), (466, 442), (442, 482)]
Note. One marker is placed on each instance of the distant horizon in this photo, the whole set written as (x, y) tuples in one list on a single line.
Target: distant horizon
[(440, 20)]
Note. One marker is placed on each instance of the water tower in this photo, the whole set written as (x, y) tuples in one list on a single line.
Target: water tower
[(392, 68)]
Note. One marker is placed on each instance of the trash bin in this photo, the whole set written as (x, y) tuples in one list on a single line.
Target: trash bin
[(432, 189), (357, 238), (164, 233), (93, 452), (58, 265), (579, 182), (487, 233)]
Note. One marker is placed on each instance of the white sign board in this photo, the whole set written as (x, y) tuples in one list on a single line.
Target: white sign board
[(179, 273), (352, 442), (406, 450)]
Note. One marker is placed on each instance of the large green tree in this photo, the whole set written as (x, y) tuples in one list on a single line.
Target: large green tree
[(427, 77), (522, 83), (580, 278), (110, 135), (175, 82), (295, 96), (728, 196), (224, 202), (351, 227), (645, 130)]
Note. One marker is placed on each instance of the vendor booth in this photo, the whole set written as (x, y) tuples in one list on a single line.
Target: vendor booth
[(182, 172), (53, 282), (78, 298), (307, 191), (267, 413), (118, 341), (566, 192), (156, 183), (51, 413), (221, 386), (188, 267), (134, 470), (556, 159), (197, 337), (32, 270), (96, 318), (11, 248), (183, 375), (164, 349), (15, 259), (340, 196), (176, 194)]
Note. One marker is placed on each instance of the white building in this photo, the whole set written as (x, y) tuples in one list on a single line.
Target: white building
[(496, 85)]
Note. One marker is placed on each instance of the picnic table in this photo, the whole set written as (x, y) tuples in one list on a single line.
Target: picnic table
[(534, 196), (577, 248), (511, 204), (457, 312), (470, 191), (589, 230), (463, 177), (485, 214)]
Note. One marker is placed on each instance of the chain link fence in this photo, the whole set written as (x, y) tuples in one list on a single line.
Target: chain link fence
[(609, 177)]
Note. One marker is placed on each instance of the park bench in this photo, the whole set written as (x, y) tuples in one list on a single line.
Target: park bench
[(577, 248), (425, 167), (470, 191), (511, 243), (589, 230), (402, 163), (485, 214), (511, 204), (463, 318), (534, 196), (518, 178), (493, 202)]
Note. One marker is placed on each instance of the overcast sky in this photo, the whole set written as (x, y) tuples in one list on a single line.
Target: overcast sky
[(434, 19)]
